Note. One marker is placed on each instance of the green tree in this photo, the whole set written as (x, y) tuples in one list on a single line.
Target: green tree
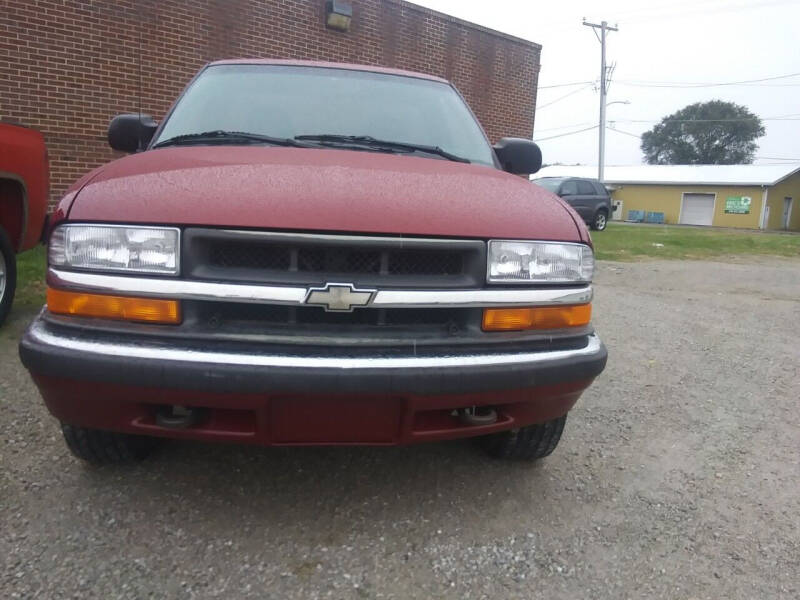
[(706, 133)]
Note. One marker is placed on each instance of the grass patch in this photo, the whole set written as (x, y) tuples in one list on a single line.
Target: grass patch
[(31, 266), (631, 242)]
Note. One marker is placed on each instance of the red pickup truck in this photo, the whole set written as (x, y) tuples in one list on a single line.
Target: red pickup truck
[(24, 188), (314, 253)]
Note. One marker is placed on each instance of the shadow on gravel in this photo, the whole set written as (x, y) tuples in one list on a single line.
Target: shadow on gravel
[(297, 486), (216, 486), (16, 323)]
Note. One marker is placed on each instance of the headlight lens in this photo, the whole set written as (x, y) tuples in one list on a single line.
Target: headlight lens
[(539, 262), (116, 248)]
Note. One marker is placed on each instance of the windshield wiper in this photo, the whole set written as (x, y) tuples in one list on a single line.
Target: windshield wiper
[(220, 136), (371, 142)]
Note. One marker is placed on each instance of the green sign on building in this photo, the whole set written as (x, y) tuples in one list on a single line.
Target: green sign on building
[(738, 205)]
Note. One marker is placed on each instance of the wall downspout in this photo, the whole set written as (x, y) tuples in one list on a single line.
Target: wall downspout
[(764, 199)]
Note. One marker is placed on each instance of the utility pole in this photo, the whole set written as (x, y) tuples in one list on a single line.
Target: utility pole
[(603, 27)]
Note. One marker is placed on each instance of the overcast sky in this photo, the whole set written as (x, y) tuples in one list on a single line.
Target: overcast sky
[(684, 41)]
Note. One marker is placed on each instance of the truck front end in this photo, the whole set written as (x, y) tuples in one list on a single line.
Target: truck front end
[(357, 269)]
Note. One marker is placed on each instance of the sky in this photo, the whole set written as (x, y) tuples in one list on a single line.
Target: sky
[(660, 43)]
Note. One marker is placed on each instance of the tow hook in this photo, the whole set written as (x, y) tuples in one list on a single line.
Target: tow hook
[(177, 417), (477, 415)]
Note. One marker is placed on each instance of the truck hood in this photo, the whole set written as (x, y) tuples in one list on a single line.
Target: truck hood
[(321, 190)]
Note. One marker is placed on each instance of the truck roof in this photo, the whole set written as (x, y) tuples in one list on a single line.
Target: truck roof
[(325, 65)]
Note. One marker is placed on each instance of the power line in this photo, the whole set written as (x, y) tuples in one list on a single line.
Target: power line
[(560, 98), (625, 132), (700, 86), (641, 11), (776, 158), (652, 7), (707, 9), (563, 127), (689, 121), (742, 120), (790, 117), (661, 11), (552, 137), (686, 84), (560, 85)]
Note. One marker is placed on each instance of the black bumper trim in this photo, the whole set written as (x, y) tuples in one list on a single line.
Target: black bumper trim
[(85, 356)]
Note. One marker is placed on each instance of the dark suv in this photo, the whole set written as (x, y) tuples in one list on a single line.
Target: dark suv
[(588, 197)]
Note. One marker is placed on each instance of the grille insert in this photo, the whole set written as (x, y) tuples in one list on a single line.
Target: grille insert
[(232, 255), (222, 314), (314, 260), (426, 263), (335, 260)]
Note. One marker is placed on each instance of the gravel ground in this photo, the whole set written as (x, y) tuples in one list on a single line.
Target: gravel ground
[(677, 477)]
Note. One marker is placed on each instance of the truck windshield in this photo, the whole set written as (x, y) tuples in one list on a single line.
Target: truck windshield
[(290, 101)]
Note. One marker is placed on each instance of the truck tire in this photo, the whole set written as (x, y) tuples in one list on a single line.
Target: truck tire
[(8, 275), (529, 443), (600, 220), (106, 447)]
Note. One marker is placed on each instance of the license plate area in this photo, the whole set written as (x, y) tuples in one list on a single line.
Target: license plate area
[(336, 420)]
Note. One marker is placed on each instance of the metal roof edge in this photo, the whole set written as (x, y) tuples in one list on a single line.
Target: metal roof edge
[(692, 183), (785, 177), (629, 175)]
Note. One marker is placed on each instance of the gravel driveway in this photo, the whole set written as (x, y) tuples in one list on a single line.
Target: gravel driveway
[(677, 477)]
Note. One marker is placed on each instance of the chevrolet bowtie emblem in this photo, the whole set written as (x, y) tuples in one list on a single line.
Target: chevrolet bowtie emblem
[(341, 297)]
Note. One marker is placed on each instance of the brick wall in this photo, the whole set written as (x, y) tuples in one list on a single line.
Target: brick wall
[(68, 66)]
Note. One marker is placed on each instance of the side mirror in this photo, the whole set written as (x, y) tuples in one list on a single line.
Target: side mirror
[(131, 133), (518, 156)]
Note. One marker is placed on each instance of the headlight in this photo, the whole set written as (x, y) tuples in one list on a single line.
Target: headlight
[(539, 262), (116, 248)]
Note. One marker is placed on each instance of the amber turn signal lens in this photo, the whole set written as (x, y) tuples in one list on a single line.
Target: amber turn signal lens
[(145, 310), (548, 317)]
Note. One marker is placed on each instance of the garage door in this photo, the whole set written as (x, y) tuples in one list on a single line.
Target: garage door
[(697, 209)]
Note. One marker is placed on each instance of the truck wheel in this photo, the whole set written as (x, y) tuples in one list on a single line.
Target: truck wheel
[(104, 447), (8, 275), (600, 220), (531, 442)]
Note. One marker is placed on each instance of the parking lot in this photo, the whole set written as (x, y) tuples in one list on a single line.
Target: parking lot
[(678, 477)]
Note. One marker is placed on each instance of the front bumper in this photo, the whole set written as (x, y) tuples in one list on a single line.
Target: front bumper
[(266, 395)]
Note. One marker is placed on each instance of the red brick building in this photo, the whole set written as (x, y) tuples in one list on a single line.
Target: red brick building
[(68, 66)]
